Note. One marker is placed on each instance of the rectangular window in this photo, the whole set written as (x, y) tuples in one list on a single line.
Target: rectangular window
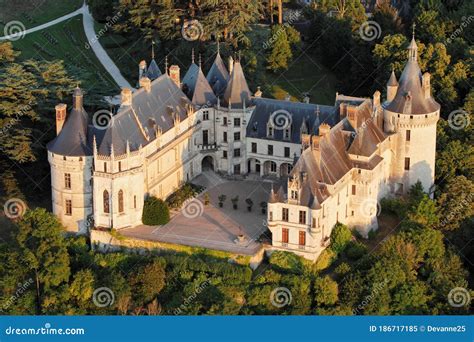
[(284, 214), (302, 239), (270, 214), (353, 189), (287, 152), (408, 135), (270, 150), (68, 207), (236, 152), (225, 120), (224, 154), (236, 136), (120, 166), (284, 235), (67, 180), (237, 169), (105, 167), (225, 137), (302, 217), (134, 202), (254, 147), (314, 223), (237, 122), (205, 115), (287, 133), (270, 131), (407, 163)]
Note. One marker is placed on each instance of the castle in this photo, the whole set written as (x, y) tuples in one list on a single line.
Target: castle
[(339, 160)]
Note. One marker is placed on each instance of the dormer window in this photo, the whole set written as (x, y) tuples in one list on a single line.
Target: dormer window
[(294, 194), (287, 134), (270, 131)]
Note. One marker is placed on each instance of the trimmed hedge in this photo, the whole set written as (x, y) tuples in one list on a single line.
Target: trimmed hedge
[(155, 212)]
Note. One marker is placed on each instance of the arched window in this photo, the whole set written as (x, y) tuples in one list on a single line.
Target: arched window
[(120, 201), (106, 202)]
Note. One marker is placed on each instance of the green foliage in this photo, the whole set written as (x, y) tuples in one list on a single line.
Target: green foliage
[(325, 291), (342, 269), (282, 38), (395, 206), (187, 191), (425, 213), (325, 259), (286, 262), (340, 237), (155, 212), (355, 250), (148, 281)]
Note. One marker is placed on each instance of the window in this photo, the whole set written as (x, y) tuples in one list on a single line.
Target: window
[(68, 207), (120, 166), (205, 115), (237, 136), (302, 239), (224, 154), (270, 150), (120, 201), (225, 137), (284, 214), (225, 120), (407, 163), (254, 147), (287, 133), (353, 189), (270, 216), (236, 122), (106, 202), (270, 131), (236, 152), (294, 194), (287, 152), (314, 223), (134, 202), (284, 235), (408, 135), (273, 167), (67, 180), (105, 167), (302, 217)]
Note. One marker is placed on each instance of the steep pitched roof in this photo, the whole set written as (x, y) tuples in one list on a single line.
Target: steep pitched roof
[(196, 86), (237, 92), (218, 76), (137, 123), (73, 138), (153, 71), (392, 81)]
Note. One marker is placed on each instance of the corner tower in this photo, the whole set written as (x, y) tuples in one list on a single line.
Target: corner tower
[(410, 116)]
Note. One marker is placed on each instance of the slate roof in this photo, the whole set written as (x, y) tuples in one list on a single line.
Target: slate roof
[(197, 88), (153, 71), (154, 109), (73, 139), (410, 98), (237, 92), (218, 76), (392, 81), (300, 112)]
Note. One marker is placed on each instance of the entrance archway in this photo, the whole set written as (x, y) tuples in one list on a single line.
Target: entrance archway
[(253, 165), (207, 163), (270, 168), (285, 169)]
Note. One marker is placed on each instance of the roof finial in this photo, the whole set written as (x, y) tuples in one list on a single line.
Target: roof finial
[(192, 56), (152, 49), (413, 31), (199, 61), (218, 47), (317, 111), (166, 64)]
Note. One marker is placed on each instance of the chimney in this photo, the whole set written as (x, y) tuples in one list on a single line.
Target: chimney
[(141, 69), (174, 74), (352, 116), (315, 142), (258, 93), (324, 129), (126, 97), (376, 99), (145, 82), (231, 65), (426, 85), (305, 141), (60, 117)]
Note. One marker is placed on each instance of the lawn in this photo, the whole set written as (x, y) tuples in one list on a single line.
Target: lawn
[(35, 12), (66, 41)]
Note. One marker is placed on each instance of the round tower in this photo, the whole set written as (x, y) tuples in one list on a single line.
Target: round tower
[(410, 115), (70, 158)]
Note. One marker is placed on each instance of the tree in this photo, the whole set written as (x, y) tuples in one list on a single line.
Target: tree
[(280, 52), (325, 291), (456, 203), (340, 237), (43, 250), (147, 282), (425, 213), (155, 212), (455, 159)]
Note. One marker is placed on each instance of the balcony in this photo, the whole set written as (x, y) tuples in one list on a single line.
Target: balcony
[(207, 148)]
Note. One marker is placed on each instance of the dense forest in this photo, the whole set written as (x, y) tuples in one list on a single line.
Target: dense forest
[(430, 252)]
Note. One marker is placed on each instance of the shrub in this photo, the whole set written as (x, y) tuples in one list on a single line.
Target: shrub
[(340, 237), (326, 291), (187, 191), (343, 269), (325, 259), (372, 234), (355, 250), (286, 261), (395, 206), (155, 212)]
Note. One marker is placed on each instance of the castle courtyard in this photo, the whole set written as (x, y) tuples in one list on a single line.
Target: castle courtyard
[(213, 227)]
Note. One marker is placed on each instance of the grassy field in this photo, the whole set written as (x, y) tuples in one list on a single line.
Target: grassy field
[(35, 12), (66, 41)]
